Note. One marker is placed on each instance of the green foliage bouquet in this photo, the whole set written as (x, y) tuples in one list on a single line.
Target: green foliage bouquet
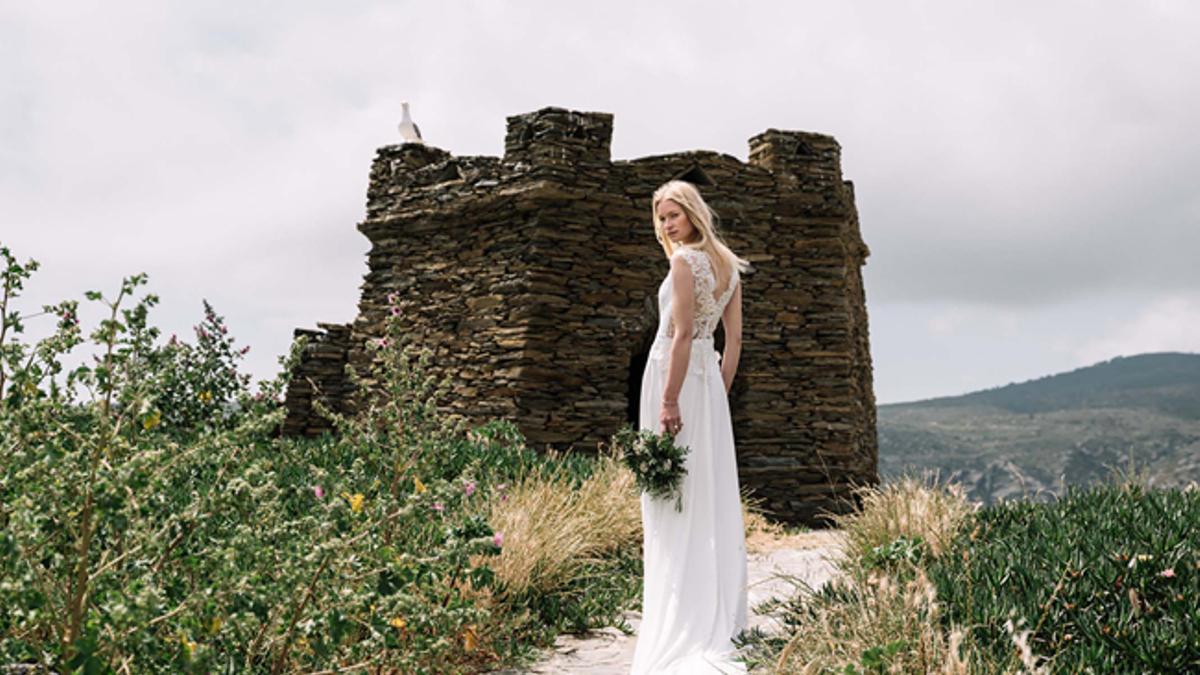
[(656, 462)]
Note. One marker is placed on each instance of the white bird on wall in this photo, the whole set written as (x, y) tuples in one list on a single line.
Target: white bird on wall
[(409, 131)]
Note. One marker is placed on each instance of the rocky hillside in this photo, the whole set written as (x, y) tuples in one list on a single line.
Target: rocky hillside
[(1031, 439)]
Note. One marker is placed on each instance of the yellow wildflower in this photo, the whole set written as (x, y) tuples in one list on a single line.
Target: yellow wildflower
[(398, 622), (152, 420), (420, 487), (188, 645), (215, 625), (356, 501), (470, 639), (205, 396)]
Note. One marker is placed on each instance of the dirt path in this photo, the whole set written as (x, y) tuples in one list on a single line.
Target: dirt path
[(807, 557)]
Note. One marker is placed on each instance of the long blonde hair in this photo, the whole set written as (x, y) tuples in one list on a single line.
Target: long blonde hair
[(702, 217)]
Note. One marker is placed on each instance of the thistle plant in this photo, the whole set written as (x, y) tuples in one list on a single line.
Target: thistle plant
[(198, 386), (139, 534), (65, 463), (152, 519)]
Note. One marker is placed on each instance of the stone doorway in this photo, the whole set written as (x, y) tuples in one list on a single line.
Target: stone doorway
[(637, 360)]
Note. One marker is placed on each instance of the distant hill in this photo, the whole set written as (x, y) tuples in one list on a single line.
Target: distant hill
[(1167, 382), (1031, 439)]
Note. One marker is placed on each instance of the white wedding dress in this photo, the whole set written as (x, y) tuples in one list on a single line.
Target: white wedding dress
[(694, 560)]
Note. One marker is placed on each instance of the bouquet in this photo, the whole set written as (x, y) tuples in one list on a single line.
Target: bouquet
[(656, 462)]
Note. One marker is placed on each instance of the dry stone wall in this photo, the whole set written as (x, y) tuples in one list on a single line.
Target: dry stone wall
[(532, 278)]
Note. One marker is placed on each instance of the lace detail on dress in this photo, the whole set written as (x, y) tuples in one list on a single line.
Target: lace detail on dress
[(708, 308)]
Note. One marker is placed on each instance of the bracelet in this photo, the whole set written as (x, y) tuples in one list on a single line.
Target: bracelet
[(671, 401)]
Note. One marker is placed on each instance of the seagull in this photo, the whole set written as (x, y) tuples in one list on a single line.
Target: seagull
[(409, 131)]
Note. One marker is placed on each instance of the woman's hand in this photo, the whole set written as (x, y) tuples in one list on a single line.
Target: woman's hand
[(668, 418)]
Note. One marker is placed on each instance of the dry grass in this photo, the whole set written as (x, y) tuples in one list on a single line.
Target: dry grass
[(551, 530), (907, 507), (883, 612), (764, 535), (875, 610), (761, 534)]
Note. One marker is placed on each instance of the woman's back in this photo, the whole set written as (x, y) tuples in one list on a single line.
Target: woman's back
[(710, 301)]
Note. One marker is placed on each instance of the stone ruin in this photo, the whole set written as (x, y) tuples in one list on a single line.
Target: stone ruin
[(533, 279)]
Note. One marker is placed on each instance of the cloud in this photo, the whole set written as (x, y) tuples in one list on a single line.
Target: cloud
[(1007, 158), (1170, 324), (963, 319)]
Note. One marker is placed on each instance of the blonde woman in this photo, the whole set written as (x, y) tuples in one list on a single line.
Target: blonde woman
[(694, 560)]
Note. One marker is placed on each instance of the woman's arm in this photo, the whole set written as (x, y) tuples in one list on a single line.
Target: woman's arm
[(682, 316), (731, 319)]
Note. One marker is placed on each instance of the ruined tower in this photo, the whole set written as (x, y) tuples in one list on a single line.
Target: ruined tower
[(533, 278)]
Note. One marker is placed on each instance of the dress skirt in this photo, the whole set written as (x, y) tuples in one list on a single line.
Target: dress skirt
[(694, 560)]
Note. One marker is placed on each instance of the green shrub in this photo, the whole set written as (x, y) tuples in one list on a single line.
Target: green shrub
[(897, 556), (197, 386), (147, 526), (1106, 578)]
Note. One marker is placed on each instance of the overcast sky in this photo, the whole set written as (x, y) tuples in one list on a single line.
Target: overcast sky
[(1026, 172)]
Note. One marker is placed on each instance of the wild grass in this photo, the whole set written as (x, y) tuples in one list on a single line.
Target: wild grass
[(910, 508), (879, 625), (867, 619), (553, 529)]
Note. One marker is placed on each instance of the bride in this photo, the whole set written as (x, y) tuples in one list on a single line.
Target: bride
[(694, 585)]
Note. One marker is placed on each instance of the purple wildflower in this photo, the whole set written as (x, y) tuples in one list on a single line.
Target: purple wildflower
[(498, 539), (437, 506), (318, 492), (469, 487)]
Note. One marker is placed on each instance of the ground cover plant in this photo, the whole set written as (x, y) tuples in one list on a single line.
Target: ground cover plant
[(1101, 580), (1105, 578)]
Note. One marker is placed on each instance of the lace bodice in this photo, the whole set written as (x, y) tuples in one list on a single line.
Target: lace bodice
[(708, 308)]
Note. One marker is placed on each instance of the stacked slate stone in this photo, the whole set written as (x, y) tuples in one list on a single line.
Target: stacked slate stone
[(321, 376), (532, 278)]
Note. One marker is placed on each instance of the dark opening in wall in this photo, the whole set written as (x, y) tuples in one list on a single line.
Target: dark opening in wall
[(696, 176), (637, 365), (448, 173)]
